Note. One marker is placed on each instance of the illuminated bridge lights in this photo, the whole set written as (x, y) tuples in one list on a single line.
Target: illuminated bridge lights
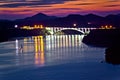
[(53, 30)]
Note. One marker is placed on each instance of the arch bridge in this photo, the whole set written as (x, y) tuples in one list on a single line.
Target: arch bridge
[(53, 30)]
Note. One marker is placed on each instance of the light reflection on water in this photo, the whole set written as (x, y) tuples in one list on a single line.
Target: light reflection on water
[(44, 51)]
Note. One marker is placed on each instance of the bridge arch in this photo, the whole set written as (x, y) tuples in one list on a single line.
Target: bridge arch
[(71, 29), (53, 30)]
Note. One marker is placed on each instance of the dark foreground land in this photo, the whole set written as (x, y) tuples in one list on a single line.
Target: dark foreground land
[(7, 34), (110, 39), (103, 37)]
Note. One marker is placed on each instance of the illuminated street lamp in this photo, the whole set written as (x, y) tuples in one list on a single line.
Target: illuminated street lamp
[(89, 22), (16, 26), (74, 24)]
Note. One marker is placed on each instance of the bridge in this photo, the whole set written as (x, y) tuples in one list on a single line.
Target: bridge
[(53, 30)]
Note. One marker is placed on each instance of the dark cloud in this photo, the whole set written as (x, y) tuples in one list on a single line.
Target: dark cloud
[(24, 4), (69, 9), (112, 6), (86, 3), (7, 11), (18, 3), (12, 5), (32, 6)]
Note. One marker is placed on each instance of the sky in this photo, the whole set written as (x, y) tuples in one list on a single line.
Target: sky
[(17, 9)]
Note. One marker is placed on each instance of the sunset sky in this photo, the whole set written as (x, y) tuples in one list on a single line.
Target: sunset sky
[(15, 9)]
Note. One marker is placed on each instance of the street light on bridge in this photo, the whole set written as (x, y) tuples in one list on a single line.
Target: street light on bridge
[(74, 24), (16, 26)]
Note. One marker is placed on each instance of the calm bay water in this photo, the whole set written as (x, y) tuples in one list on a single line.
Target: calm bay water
[(62, 57)]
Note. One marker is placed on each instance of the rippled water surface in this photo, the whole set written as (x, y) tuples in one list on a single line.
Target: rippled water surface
[(54, 57)]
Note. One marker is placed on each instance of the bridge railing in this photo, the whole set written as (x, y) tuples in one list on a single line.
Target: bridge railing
[(82, 30)]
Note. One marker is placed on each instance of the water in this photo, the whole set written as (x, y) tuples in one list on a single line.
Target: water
[(62, 57)]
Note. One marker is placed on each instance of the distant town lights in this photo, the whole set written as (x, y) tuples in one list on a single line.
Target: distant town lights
[(31, 28), (107, 27)]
